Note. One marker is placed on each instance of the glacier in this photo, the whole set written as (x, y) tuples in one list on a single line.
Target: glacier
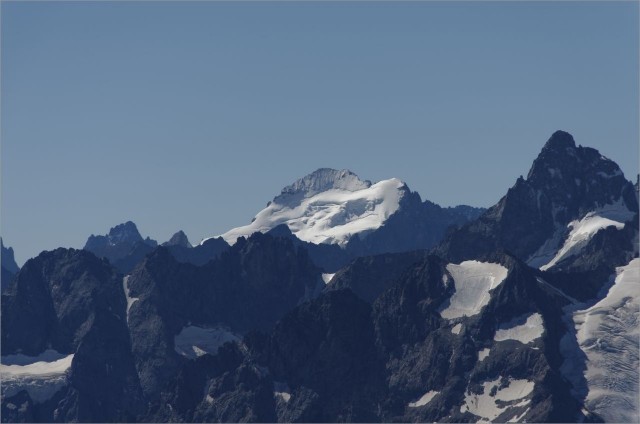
[(605, 336)]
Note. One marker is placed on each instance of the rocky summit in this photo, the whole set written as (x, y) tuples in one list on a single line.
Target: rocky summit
[(345, 300)]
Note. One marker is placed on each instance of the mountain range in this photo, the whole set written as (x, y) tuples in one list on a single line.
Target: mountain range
[(345, 300)]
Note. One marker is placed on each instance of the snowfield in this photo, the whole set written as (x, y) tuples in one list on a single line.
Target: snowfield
[(473, 280), (609, 335), (41, 376), (583, 230), (496, 401), (327, 206), (524, 329), (193, 341)]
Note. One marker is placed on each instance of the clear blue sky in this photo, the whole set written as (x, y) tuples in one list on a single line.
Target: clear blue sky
[(193, 115)]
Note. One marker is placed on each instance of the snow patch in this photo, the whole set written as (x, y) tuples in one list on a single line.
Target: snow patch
[(496, 400), (282, 391), (283, 395), (130, 300), (425, 399), (193, 341), (583, 230), (327, 277), (483, 354), (525, 329), (331, 216), (41, 376), (456, 329), (473, 281)]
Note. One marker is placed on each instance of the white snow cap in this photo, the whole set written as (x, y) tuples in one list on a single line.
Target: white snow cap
[(323, 179), (327, 206)]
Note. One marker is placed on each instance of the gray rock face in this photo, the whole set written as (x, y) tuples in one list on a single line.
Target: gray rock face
[(72, 302), (370, 276), (249, 287), (325, 352), (54, 300)]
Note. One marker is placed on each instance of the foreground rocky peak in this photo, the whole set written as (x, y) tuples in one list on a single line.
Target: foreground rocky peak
[(54, 300), (570, 195), (578, 179)]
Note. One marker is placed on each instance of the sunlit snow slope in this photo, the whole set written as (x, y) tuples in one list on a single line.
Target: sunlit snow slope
[(327, 206), (583, 230), (608, 333)]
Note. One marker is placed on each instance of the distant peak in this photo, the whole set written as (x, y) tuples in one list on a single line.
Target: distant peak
[(178, 239), (324, 179), (560, 140), (125, 232), (127, 226)]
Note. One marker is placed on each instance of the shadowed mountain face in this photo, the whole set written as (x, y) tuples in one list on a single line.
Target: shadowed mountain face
[(526, 314), (77, 305), (570, 193)]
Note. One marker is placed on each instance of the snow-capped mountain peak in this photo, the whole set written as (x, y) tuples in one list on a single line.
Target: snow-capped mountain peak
[(320, 180), (328, 206)]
